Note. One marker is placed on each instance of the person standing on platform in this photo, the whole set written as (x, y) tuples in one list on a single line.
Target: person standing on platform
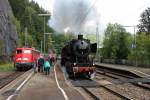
[(40, 63), (47, 66), (34, 68), (52, 57)]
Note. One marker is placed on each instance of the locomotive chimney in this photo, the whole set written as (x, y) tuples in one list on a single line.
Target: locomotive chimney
[(80, 37)]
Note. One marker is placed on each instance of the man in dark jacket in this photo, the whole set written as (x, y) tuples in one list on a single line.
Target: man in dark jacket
[(40, 64)]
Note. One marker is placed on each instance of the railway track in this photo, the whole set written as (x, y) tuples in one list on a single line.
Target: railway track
[(9, 78), (90, 93), (114, 92), (135, 80), (87, 85), (107, 92), (117, 93), (125, 89), (132, 87)]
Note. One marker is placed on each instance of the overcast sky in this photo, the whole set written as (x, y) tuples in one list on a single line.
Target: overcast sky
[(124, 12)]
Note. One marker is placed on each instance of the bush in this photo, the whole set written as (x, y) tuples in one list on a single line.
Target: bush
[(7, 67)]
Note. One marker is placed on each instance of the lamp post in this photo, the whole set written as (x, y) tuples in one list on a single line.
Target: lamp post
[(44, 15), (48, 34), (41, 45), (134, 44), (26, 32), (98, 42), (134, 34)]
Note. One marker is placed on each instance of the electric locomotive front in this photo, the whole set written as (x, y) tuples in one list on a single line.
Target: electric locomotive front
[(25, 58)]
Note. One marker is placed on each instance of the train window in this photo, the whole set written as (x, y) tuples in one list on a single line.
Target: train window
[(18, 51), (26, 51)]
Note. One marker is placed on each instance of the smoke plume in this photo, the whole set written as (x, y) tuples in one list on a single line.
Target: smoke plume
[(71, 14)]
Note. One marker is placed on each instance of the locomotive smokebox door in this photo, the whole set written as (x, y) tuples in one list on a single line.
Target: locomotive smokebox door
[(93, 48)]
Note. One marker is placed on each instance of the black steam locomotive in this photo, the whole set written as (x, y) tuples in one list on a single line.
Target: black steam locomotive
[(76, 57)]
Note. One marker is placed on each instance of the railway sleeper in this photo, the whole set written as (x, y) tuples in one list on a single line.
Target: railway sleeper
[(123, 96)]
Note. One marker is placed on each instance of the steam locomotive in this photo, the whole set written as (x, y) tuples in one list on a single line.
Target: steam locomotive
[(77, 57)]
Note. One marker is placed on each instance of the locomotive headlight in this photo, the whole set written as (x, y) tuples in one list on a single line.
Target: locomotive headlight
[(18, 58), (25, 59), (74, 64)]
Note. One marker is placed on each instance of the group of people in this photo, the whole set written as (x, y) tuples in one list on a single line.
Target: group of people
[(43, 65)]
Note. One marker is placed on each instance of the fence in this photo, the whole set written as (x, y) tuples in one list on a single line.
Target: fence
[(139, 63)]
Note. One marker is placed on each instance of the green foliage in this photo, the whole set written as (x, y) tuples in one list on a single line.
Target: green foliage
[(141, 54), (115, 42), (6, 67), (1, 46), (49, 43), (18, 26), (60, 40), (91, 37), (26, 15), (144, 25), (142, 51)]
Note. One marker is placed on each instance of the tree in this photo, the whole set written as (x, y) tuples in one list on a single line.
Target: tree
[(142, 51), (26, 15), (1, 46), (144, 25), (115, 42), (49, 43), (60, 40)]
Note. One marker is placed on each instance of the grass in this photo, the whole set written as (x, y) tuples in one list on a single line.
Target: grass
[(6, 67)]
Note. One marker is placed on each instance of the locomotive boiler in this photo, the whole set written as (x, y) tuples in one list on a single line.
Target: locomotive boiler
[(77, 57)]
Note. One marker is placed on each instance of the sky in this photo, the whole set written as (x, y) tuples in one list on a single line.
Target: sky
[(124, 12)]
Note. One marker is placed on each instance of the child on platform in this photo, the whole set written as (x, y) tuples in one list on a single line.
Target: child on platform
[(47, 66)]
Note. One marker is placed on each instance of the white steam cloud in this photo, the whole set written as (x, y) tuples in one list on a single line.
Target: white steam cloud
[(71, 13)]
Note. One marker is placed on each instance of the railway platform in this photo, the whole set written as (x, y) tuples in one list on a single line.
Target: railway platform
[(140, 71), (41, 87)]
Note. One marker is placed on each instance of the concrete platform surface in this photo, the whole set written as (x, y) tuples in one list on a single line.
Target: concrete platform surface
[(44, 87), (70, 90), (40, 87), (141, 71)]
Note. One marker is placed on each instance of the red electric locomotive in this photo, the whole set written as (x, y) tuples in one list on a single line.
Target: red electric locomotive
[(25, 58)]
